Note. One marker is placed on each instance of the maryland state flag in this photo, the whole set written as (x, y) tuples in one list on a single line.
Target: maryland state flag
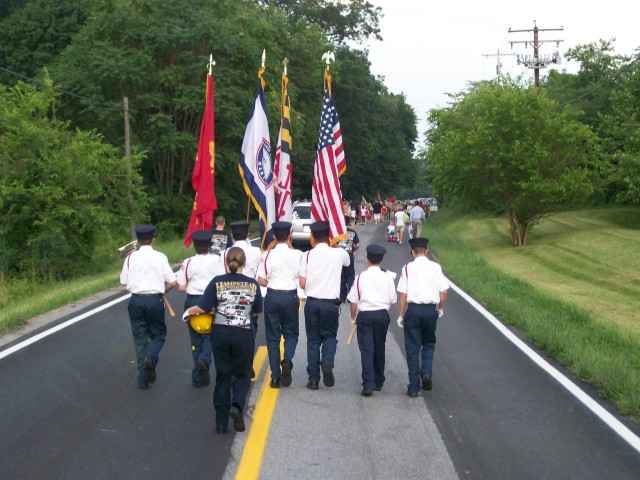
[(205, 202), (282, 167)]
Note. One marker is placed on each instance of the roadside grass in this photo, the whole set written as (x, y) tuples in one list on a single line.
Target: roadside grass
[(22, 300), (574, 291)]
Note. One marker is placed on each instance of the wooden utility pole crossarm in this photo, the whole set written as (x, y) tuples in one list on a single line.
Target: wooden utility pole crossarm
[(536, 62)]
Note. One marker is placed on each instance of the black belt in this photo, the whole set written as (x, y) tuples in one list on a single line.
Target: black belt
[(193, 296), (147, 294), (422, 304), (282, 291), (326, 300)]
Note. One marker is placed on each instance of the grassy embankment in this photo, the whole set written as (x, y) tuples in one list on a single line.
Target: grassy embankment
[(574, 290), (20, 301)]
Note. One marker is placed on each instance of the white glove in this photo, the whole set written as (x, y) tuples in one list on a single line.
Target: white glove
[(440, 312), (185, 315), (401, 322)]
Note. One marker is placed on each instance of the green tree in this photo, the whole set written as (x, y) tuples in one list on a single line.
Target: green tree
[(63, 192), (353, 20), (35, 34), (501, 145)]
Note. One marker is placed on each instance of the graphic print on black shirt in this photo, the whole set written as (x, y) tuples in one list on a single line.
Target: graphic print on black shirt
[(235, 303)]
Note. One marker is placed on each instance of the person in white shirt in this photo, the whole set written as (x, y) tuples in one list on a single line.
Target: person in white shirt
[(279, 272), (193, 277), (399, 216), (240, 233), (417, 216), (372, 294), (423, 293), (320, 272), (147, 275)]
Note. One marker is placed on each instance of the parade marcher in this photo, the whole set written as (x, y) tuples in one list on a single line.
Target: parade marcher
[(146, 273), (399, 218), (240, 233), (349, 245), (423, 293), (220, 238), (193, 277), (377, 209), (235, 298), (372, 294), (320, 272), (416, 216), (279, 272)]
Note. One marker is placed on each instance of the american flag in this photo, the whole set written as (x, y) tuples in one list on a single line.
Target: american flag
[(326, 195)]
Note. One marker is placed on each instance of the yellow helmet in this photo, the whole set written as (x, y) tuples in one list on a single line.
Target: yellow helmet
[(201, 323)]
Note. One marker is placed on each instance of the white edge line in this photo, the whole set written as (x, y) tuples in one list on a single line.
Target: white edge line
[(615, 424), (51, 331)]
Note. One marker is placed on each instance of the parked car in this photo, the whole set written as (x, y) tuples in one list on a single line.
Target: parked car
[(301, 224)]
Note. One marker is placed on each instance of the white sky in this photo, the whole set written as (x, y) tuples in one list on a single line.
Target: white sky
[(431, 48)]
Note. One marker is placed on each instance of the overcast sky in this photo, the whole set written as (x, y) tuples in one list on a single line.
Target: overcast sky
[(434, 47)]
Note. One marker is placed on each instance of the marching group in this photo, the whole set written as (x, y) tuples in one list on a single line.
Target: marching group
[(222, 284)]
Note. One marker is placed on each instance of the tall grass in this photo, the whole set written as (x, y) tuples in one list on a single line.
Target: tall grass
[(597, 351)]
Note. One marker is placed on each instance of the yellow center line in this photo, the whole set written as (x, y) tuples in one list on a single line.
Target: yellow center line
[(251, 460), (258, 361)]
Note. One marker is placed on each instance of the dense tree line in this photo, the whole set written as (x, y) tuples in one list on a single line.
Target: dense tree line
[(155, 53)]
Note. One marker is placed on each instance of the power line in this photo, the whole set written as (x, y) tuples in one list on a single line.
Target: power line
[(91, 100)]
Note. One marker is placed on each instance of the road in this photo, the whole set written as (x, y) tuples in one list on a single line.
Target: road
[(71, 409)]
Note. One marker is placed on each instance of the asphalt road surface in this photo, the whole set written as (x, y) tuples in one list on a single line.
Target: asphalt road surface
[(70, 408)]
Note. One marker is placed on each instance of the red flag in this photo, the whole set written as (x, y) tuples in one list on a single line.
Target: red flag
[(205, 202), (326, 195)]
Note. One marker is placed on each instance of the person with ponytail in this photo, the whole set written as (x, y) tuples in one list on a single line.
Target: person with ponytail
[(234, 299)]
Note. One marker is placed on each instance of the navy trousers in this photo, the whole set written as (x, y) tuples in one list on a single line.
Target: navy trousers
[(281, 320), (321, 325), (347, 278), (420, 341), (372, 335), (146, 314), (233, 357), (201, 348)]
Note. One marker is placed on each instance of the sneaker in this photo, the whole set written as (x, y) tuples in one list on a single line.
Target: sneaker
[(399, 242), (238, 420), (285, 379), (149, 370)]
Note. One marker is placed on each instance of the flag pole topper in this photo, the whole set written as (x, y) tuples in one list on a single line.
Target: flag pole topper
[(211, 63), (328, 57), (264, 57), (285, 61)]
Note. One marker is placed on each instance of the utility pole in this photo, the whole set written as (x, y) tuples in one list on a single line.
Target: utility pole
[(498, 63), (536, 62)]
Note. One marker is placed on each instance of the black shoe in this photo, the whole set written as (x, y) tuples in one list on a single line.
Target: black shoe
[(275, 383), (366, 392), (149, 370), (312, 385), (203, 371), (426, 382), (238, 420), (253, 373), (377, 388), (221, 430), (143, 386), (327, 376), (412, 394), (196, 384), (285, 379)]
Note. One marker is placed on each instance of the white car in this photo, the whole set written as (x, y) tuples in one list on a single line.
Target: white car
[(301, 224)]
